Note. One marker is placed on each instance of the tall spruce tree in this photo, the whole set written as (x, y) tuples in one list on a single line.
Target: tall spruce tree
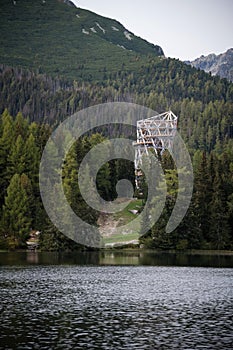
[(7, 139), (202, 196), (17, 219), (219, 229)]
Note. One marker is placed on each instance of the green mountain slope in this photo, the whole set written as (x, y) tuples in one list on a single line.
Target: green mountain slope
[(60, 39)]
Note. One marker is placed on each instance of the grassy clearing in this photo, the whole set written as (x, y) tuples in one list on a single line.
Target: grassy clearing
[(122, 218), (121, 238), (125, 215)]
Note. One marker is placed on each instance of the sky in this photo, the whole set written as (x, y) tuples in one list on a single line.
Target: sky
[(185, 29)]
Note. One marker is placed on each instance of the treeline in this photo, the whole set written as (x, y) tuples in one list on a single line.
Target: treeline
[(204, 105), (208, 223), (21, 146), (21, 208)]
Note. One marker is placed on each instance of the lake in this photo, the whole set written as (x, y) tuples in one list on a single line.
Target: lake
[(116, 300)]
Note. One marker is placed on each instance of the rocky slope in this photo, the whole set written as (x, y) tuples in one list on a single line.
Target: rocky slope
[(221, 65)]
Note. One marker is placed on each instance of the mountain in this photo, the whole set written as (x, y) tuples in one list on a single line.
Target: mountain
[(74, 60), (221, 65), (58, 38)]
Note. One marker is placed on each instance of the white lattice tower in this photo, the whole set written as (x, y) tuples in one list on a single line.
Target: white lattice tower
[(155, 133)]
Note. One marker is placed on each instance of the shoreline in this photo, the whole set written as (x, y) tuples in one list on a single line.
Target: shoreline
[(130, 251)]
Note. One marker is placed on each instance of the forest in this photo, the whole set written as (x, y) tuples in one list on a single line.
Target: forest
[(32, 104)]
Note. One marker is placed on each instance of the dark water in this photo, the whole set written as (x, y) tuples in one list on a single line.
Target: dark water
[(89, 301)]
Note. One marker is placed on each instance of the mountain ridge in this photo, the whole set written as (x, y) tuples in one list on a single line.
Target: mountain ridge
[(67, 40), (127, 33), (221, 65)]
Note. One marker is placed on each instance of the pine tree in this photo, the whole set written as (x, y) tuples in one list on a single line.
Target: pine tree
[(202, 196), (70, 178), (16, 210), (6, 144), (16, 158), (31, 162), (219, 229), (21, 126)]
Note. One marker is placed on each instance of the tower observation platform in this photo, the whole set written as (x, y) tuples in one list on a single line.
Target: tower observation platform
[(155, 133)]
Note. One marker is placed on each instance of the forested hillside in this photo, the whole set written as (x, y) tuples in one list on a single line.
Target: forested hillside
[(60, 39), (56, 59), (203, 103), (205, 109)]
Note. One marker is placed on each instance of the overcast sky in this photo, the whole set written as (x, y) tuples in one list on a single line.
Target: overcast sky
[(185, 29)]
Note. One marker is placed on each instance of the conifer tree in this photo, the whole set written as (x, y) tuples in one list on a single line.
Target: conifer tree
[(16, 210), (16, 158), (21, 126), (6, 144), (219, 229), (202, 195), (31, 162)]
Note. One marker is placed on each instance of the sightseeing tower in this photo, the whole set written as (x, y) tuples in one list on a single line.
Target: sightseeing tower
[(156, 133)]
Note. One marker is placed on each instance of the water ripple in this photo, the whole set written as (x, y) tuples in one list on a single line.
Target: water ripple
[(91, 307)]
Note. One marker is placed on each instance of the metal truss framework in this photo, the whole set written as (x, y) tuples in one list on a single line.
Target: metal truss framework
[(156, 133)]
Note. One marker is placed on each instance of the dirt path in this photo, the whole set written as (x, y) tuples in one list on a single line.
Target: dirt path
[(107, 224)]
